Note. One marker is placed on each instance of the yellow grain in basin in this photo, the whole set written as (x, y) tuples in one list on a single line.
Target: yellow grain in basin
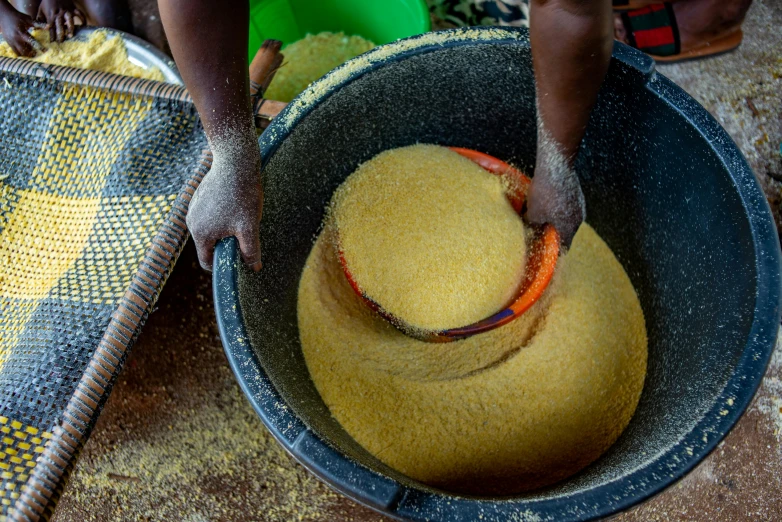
[(513, 409), (430, 236)]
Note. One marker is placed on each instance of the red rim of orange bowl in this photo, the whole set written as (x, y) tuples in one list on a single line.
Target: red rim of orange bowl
[(540, 267)]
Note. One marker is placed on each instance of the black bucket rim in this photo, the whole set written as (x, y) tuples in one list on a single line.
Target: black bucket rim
[(395, 499)]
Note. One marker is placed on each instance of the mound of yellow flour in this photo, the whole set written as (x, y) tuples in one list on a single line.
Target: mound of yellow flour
[(513, 409), (430, 236)]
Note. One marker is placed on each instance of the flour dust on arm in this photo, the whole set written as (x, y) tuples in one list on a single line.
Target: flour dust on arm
[(211, 55), (555, 195), (571, 50), (229, 200)]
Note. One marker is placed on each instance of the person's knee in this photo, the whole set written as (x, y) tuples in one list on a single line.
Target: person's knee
[(113, 14), (28, 7)]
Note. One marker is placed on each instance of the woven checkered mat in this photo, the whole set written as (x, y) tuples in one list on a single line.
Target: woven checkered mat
[(96, 172)]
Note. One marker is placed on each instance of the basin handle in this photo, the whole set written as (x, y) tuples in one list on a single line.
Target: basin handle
[(638, 60)]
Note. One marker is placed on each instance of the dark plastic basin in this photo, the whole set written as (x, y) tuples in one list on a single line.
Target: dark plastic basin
[(665, 187)]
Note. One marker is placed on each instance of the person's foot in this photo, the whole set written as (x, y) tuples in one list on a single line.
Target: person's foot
[(699, 21)]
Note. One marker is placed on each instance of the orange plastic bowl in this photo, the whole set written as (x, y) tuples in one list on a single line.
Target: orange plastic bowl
[(542, 261)]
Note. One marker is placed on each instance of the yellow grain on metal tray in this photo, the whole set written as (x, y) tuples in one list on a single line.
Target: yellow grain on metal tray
[(430, 236), (99, 53)]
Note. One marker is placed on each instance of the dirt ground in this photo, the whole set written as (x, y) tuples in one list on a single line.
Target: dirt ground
[(178, 441)]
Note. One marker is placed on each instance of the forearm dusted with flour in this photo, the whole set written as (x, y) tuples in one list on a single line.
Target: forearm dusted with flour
[(209, 43), (571, 50)]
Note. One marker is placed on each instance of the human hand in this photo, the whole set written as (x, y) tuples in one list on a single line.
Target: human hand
[(555, 194), (15, 27), (229, 202), (61, 18)]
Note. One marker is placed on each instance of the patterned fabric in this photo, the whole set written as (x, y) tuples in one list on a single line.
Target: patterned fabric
[(653, 29), (481, 12), (93, 172)]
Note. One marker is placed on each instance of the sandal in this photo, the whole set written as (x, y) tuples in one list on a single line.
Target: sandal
[(632, 5), (652, 29)]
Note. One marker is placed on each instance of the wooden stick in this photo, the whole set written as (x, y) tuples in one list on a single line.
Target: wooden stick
[(266, 62)]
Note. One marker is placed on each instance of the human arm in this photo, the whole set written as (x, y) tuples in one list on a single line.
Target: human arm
[(61, 18), (15, 27), (209, 43), (571, 50)]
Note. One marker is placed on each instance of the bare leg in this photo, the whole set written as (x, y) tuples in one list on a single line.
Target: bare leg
[(699, 20), (108, 13), (147, 23), (28, 7)]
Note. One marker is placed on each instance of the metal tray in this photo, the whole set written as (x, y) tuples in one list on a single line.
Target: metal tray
[(140, 52)]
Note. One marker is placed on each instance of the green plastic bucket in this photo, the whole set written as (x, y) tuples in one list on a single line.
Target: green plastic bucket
[(379, 21)]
